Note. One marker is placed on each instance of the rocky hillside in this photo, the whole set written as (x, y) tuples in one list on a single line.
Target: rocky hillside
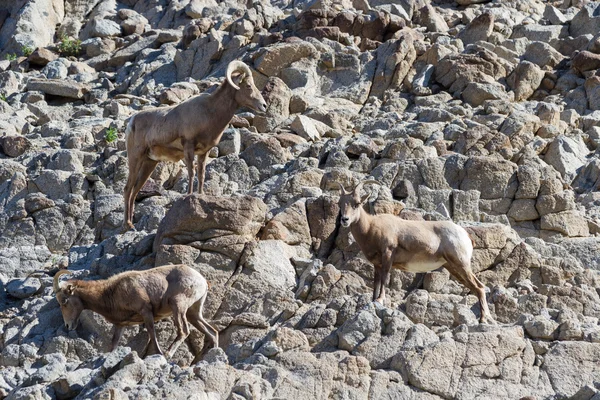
[(483, 112)]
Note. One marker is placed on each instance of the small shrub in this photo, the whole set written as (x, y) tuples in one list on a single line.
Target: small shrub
[(111, 135), (69, 47), (11, 56), (26, 51)]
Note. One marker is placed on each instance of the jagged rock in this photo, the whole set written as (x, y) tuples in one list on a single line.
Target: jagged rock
[(477, 93), (211, 219), (132, 22), (394, 59), (478, 29), (427, 16), (103, 28), (543, 55), (569, 223), (539, 33), (554, 15), (280, 56), (456, 71), (581, 356), (277, 95), (566, 154), (585, 21), (525, 80), (195, 9)]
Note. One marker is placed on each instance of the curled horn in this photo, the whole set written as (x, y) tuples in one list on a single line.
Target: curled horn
[(237, 66), (360, 185), (57, 277), (343, 189)]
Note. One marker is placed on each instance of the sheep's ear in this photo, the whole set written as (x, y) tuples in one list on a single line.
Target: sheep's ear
[(69, 289), (239, 78)]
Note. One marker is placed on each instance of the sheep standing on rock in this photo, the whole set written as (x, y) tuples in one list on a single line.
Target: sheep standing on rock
[(136, 297), (185, 130), (414, 246)]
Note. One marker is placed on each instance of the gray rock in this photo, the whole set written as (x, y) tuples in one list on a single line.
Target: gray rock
[(57, 69), (585, 21), (543, 55), (478, 29), (525, 79), (23, 288), (63, 88), (305, 128), (567, 154), (104, 28)]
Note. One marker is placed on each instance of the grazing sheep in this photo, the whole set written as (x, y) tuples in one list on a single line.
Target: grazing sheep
[(185, 130), (414, 246), (136, 297)]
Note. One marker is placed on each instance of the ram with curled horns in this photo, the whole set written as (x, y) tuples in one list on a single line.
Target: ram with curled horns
[(184, 131), (140, 297)]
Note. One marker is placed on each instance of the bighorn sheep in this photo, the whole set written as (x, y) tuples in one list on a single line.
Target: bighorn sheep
[(184, 130), (136, 297), (415, 246)]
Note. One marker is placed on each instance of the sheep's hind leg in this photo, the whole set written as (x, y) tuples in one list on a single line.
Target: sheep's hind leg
[(465, 276), (188, 158), (195, 317), (183, 330), (131, 178), (146, 166), (117, 332), (201, 160), (376, 283)]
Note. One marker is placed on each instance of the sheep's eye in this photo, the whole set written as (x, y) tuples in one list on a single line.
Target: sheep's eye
[(64, 302)]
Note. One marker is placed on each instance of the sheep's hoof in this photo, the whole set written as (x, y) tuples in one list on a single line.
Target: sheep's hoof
[(488, 321), (127, 226)]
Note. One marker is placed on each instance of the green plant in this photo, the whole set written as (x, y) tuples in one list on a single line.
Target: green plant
[(3, 97), (11, 56), (26, 50), (69, 47), (111, 135)]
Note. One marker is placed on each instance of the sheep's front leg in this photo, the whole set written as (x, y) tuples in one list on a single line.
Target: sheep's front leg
[(201, 160), (386, 267), (188, 154), (376, 282), (117, 332)]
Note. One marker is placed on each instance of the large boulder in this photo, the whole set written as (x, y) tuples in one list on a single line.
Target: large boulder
[(274, 59), (567, 154), (457, 70), (220, 222), (394, 60), (587, 20), (525, 79)]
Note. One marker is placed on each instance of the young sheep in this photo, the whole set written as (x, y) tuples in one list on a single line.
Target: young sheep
[(414, 246), (184, 130), (136, 297)]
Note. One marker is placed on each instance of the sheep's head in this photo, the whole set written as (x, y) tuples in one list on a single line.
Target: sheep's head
[(247, 94), (70, 304), (351, 202)]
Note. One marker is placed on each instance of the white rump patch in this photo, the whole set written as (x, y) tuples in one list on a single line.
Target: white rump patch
[(424, 265), (129, 127)]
